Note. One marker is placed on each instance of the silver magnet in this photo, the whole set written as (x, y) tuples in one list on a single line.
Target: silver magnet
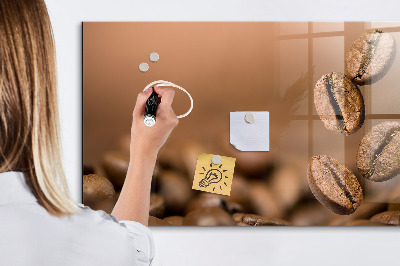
[(249, 118), (216, 159), (154, 57), (143, 67)]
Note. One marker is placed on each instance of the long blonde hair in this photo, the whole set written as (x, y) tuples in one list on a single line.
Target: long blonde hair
[(29, 123)]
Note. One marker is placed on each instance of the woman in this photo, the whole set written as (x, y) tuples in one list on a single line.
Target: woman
[(39, 222)]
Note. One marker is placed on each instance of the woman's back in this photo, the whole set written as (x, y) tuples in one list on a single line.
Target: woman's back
[(40, 223), (29, 235)]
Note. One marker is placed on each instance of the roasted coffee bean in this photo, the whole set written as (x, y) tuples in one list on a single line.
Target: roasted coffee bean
[(96, 187), (115, 165), (388, 217), (206, 200), (365, 211), (363, 222), (210, 216), (339, 103), (157, 206), (376, 203), (334, 186), (378, 156), (213, 200), (370, 56), (256, 220), (174, 220), (263, 200), (154, 221), (176, 191)]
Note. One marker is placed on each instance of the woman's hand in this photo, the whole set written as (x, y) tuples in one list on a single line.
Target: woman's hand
[(134, 201), (151, 139)]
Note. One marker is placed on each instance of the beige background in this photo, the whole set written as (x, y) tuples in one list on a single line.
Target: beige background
[(225, 67)]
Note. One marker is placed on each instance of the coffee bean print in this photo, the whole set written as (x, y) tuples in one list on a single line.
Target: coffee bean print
[(214, 200), (334, 186), (96, 187), (388, 217), (98, 193), (115, 165), (209, 216), (339, 104), (176, 191), (378, 156), (365, 211), (174, 220), (243, 219), (362, 222), (370, 56)]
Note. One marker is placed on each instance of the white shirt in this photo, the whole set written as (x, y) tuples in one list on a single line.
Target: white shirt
[(29, 235)]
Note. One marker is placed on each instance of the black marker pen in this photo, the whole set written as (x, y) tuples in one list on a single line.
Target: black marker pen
[(151, 109)]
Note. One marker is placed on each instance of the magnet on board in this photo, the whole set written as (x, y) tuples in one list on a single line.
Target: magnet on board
[(143, 67)]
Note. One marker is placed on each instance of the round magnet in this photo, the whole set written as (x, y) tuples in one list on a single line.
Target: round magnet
[(249, 118), (143, 67), (216, 159), (154, 57)]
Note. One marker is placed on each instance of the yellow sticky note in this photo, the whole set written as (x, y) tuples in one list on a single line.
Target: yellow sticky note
[(211, 177)]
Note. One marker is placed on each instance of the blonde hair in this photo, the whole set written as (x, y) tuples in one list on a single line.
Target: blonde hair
[(29, 126)]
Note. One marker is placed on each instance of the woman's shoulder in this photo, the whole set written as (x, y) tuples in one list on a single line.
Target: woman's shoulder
[(87, 214), (136, 236), (98, 221), (97, 230)]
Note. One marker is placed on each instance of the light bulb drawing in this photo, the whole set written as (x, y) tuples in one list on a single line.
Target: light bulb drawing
[(214, 175)]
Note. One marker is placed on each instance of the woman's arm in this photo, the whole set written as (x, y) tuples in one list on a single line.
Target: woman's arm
[(134, 201)]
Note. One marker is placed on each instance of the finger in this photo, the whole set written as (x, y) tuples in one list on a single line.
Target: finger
[(167, 97), (159, 90), (141, 101)]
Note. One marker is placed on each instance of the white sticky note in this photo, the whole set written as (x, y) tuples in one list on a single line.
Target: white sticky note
[(249, 135)]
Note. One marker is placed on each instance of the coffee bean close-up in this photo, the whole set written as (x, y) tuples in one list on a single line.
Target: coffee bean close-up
[(370, 56), (378, 156), (335, 186), (339, 103)]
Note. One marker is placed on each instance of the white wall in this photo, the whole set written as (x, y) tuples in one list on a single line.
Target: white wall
[(220, 246)]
